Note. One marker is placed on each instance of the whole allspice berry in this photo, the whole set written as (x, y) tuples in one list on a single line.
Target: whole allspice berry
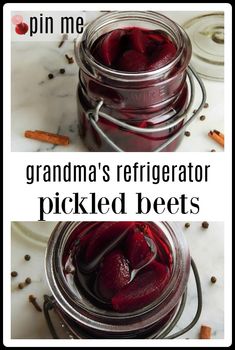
[(27, 257), (205, 224), (14, 274), (187, 133), (187, 225), (50, 76), (213, 279), (21, 285), (28, 280)]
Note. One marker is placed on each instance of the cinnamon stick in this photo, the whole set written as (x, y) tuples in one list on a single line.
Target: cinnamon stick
[(205, 332), (44, 136), (216, 137), (219, 133)]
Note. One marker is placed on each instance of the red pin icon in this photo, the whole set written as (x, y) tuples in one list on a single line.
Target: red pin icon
[(21, 28)]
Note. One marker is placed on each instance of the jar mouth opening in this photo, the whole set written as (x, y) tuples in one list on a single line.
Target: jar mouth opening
[(70, 302), (148, 18)]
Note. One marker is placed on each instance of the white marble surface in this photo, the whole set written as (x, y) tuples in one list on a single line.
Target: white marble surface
[(207, 249), (50, 105)]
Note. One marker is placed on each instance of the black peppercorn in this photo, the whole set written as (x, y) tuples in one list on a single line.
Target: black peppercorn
[(14, 274), (28, 280), (62, 70), (187, 133), (213, 279), (21, 285), (50, 76), (27, 257), (205, 224)]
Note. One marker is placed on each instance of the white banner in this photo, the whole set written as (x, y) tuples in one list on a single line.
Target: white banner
[(88, 186)]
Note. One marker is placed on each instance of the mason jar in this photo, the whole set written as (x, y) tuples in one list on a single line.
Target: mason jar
[(83, 315), (132, 111)]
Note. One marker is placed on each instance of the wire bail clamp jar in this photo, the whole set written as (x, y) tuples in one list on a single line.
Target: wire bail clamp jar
[(84, 319), (143, 111)]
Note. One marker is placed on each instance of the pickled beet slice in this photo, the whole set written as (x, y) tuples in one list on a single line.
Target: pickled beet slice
[(105, 234), (138, 40), (162, 55), (111, 46), (137, 249), (157, 37), (114, 274), (132, 61), (146, 287)]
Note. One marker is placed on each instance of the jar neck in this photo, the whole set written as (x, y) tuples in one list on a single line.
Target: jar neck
[(148, 20), (72, 304)]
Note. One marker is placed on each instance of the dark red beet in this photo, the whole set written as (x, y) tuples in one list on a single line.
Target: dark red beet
[(137, 249), (113, 275), (105, 234), (134, 49), (138, 40), (110, 46), (162, 56), (143, 290), (156, 37), (132, 61)]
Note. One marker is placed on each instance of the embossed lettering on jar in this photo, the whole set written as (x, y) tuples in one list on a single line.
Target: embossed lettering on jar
[(133, 66)]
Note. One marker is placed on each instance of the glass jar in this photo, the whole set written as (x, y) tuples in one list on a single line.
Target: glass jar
[(83, 316), (146, 100)]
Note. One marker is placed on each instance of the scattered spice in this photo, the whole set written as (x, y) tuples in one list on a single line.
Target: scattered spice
[(217, 136), (69, 59), (205, 332), (205, 224), (64, 38), (213, 279), (187, 225), (44, 136), (28, 280), (194, 111), (62, 70), (206, 105), (33, 300), (21, 285), (27, 257), (14, 274), (213, 150), (187, 133), (50, 76), (202, 117)]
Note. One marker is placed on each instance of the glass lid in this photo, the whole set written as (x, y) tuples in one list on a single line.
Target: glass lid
[(206, 33)]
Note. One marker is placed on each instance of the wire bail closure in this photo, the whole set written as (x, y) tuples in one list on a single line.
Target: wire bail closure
[(49, 304), (93, 116)]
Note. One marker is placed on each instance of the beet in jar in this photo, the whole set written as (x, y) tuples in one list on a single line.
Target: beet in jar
[(132, 69), (117, 279)]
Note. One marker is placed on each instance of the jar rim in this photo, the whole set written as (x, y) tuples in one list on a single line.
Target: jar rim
[(177, 32), (68, 301)]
